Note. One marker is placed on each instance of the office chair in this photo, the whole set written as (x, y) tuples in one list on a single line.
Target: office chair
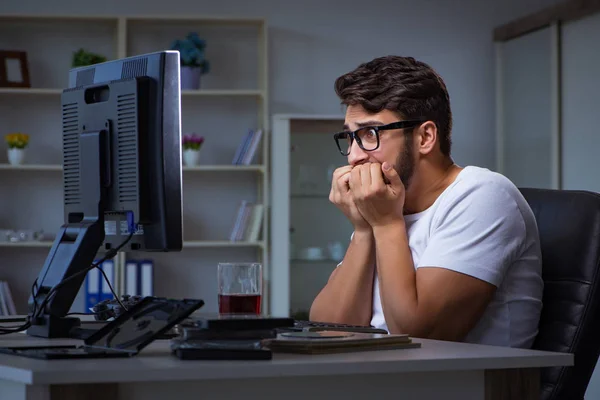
[(569, 228)]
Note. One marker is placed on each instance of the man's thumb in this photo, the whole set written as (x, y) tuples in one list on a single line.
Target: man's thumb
[(391, 174)]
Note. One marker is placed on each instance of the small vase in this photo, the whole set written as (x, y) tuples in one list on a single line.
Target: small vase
[(16, 156), (190, 78), (191, 157)]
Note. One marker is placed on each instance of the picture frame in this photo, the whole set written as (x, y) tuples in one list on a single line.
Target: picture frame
[(14, 69)]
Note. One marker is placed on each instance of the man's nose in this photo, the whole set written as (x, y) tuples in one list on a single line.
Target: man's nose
[(357, 155)]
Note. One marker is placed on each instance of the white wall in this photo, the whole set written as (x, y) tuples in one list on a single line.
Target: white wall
[(312, 42)]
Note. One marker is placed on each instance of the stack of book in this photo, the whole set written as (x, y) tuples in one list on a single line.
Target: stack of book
[(248, 222), (247, 149)]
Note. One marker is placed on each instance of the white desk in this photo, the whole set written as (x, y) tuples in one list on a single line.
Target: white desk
[(437, 370)]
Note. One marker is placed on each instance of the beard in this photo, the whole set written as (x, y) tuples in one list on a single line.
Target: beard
[(405, 163)]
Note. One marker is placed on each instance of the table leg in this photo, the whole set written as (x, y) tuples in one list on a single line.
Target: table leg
[(521, 383)]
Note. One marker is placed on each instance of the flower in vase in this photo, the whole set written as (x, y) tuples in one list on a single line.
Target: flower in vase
[(192, 142), (17, 140)]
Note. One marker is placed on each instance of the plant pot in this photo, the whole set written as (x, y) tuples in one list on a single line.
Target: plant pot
[(16, 156), (191, 157), (190, 78)]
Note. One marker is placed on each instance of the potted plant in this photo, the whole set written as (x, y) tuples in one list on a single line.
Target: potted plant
[(17, 143), (193, 63), (83, 58), (191, 149)]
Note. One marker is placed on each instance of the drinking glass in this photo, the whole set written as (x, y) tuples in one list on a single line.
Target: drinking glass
[(240, 288)]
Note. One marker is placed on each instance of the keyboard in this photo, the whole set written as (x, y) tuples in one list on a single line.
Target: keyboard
[(312, 326)]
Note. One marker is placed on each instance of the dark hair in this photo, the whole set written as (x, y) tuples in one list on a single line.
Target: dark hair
[(401, 84)]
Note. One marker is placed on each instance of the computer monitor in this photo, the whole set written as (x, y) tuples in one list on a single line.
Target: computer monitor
[(121, 123)]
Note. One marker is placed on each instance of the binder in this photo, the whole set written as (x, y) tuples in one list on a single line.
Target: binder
[(108, 267), (146, 273), (132, 281), (92, 288)]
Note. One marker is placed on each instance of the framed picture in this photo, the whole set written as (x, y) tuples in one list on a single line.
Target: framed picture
[(14, 70)]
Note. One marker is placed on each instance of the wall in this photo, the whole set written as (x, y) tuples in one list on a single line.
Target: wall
[(312, 42)]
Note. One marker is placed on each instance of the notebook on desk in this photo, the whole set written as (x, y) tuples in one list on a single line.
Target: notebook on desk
[(323, 342), (126, 336)]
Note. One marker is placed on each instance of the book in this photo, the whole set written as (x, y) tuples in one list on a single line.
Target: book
[(247, 148), (324, 342), (248, 222)]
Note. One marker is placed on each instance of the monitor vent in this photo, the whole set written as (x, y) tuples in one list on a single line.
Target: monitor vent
[(127, 147), (133, 68), (71, 153), (85, 77)]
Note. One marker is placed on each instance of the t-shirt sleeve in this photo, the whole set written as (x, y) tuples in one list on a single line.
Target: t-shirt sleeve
[(478, 231)]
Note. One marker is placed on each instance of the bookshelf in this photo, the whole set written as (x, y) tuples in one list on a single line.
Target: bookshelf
[(232, 99)]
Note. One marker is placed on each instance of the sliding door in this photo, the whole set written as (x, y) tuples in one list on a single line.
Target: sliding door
[(581, 103), (527, 103)]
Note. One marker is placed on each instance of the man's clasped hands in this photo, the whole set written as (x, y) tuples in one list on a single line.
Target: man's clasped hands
[(369, 194)]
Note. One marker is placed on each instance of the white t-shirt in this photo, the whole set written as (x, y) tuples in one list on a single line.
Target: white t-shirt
[(482, 226)]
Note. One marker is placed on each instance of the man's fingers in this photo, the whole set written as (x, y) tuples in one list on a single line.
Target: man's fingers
[(341, 171), (355, 180), (365, 175), (342, 182), (377, 181)]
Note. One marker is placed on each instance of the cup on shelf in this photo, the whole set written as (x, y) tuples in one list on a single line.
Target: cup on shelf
[(312, 253), (336, 251), (22, 235)]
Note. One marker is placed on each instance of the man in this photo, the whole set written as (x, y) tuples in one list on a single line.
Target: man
[(438, 251)]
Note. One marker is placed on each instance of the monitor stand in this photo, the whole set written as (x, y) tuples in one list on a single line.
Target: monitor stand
[(76, 244)]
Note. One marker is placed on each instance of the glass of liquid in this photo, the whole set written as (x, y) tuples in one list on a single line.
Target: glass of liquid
[(240, 288)]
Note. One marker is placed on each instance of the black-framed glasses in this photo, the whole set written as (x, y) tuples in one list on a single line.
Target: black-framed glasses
[(367, 137)]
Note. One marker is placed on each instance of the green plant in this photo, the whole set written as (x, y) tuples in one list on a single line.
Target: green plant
[(191, 52), (83, 58)]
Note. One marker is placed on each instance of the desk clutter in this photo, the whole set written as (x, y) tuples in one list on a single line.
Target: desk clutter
[(235, 337), (199, 336)]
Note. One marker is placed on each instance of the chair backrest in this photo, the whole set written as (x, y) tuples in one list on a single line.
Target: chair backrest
[(569, 228)]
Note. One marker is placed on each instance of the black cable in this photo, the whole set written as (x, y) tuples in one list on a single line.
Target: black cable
[(112, 291), (109, 254)]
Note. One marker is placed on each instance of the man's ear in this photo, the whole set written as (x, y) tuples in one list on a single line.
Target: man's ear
[(427, 136)]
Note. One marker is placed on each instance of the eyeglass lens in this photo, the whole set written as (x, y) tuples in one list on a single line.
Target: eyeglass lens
[(368, 137)]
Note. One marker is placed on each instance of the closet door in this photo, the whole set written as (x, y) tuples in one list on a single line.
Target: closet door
[(581, 103), (527, 103)]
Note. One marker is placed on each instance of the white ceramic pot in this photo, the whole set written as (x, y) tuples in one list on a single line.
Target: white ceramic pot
[(190, 78), (16, 156), (191, 157)]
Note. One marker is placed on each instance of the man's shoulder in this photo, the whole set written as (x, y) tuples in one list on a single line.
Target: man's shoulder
[(481, 185)]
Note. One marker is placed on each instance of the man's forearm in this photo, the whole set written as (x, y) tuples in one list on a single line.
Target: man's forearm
[(397, 278), (348, 296)]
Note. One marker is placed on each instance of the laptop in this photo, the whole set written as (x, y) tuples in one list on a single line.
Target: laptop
[(126, 336)]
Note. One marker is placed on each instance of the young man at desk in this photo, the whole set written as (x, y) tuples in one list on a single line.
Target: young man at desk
[(438, 251)]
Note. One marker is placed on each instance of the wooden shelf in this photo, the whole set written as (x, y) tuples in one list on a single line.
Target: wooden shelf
[(200, 168), (30, 91), (220, 243), (32, 167), (314, 261), (221, 92), (184, 93), (44, 243), (309, 196), (225, 168)]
